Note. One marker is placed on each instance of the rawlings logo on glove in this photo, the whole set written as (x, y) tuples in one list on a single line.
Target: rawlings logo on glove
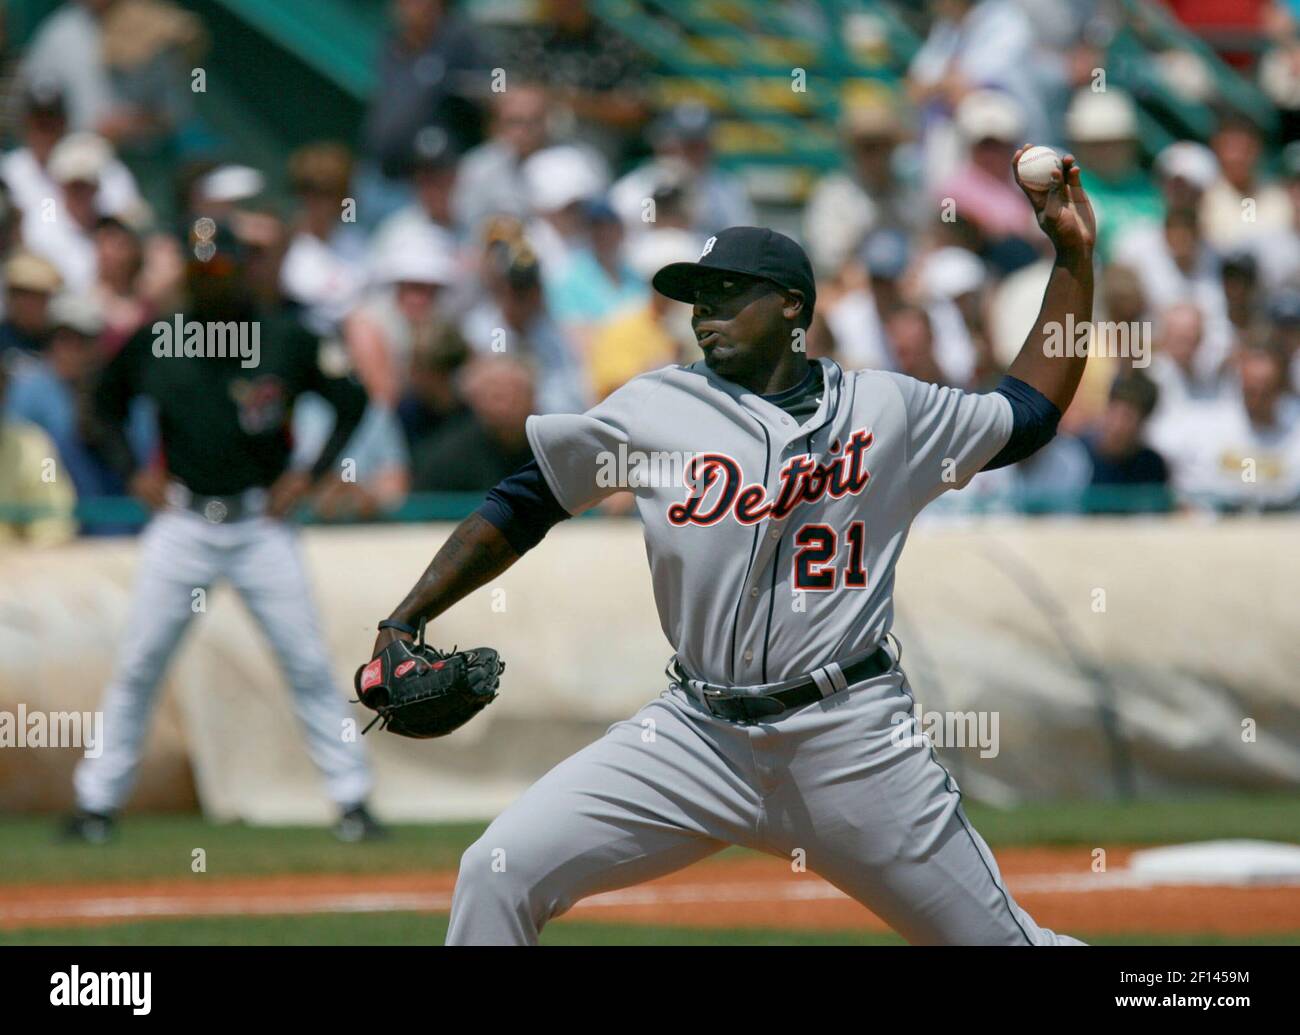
[(419, 691)]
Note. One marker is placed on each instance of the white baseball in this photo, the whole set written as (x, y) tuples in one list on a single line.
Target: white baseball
[(1035, 167)]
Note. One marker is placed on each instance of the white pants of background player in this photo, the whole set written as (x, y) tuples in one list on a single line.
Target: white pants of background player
[(860, 792), (181, 551)]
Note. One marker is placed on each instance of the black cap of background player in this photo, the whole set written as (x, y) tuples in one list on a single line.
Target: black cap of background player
[(750, 250)]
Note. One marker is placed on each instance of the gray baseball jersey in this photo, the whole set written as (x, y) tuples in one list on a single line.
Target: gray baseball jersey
[(772, 544)]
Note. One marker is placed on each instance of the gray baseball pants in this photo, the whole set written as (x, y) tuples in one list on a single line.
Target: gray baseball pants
[(848, 780)]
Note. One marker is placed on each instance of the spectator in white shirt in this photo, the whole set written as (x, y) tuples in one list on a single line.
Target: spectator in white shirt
[(68, 51), (491, 179), (857, 318), (25, 169), (1242, 452), (77, 164), (1179, 371), (323, 268), (1278, 247), (1177, 264), (682, 138), (1241, 205)]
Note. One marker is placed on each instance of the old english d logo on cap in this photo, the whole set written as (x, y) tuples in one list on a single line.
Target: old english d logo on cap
[(753, 251)]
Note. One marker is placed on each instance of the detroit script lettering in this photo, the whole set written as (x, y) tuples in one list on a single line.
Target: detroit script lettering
[(801, 481)]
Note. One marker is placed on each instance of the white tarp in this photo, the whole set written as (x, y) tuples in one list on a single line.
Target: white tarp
[(1097, 657)]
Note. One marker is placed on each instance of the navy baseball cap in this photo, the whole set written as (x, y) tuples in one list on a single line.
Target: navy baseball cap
[(750, 250)]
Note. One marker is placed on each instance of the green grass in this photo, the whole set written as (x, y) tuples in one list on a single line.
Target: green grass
[(424, 929), (402, 929), (162, 846), (1268, 817)]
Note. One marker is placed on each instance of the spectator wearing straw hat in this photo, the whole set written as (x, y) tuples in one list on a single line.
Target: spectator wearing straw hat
[(29, 283), (1103, 131), (867, 194)]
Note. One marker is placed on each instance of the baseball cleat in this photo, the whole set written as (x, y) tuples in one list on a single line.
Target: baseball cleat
[(357, 824), (93, 828)]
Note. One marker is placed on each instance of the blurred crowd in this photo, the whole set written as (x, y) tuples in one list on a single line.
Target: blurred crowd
[(478, 254)]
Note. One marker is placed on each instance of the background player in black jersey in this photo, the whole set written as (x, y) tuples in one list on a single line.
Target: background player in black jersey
[(224, 374)]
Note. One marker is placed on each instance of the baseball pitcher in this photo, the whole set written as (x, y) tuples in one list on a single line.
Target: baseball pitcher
[(775, 729)]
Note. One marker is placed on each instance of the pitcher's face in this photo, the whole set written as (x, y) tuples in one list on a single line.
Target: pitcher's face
[(739, 322)]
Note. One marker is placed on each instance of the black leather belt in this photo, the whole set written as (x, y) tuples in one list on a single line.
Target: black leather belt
[(219, 509), (751, 708)]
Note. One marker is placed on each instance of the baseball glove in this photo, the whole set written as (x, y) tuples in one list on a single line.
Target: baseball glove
[(419, 691)]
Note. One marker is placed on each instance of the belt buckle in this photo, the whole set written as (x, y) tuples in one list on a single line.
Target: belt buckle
[(215, 510), (713, 701), (750, 708)]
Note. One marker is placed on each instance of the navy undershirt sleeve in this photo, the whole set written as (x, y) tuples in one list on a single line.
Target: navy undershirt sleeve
[(523, 508), (1034, 421)]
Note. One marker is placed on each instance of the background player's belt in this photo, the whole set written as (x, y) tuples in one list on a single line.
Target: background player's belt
[(725, 703), (218, 509)]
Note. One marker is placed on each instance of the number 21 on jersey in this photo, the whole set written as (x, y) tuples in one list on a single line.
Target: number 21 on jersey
[(815, 564)]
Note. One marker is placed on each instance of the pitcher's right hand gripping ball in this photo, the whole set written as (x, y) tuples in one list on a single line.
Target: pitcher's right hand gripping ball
[(419, 691)]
